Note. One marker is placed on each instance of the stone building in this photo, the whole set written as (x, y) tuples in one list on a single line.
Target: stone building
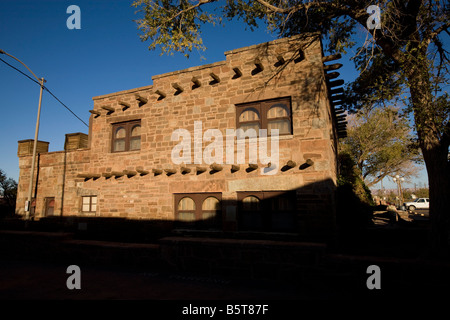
[(171, 151)]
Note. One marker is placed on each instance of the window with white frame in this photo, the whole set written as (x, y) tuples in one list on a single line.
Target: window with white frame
[(89, 204)]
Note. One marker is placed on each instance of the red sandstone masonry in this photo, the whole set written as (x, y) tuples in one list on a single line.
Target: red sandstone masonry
[(151, 197)]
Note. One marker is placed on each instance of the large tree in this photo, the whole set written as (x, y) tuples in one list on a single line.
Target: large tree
[(405, 52), (381, 144)]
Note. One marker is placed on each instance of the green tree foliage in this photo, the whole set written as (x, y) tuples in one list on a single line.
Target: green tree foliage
[(8, 193), (174, 26), (418, 193), (422, 193), (405, 55), (354, 198), (380, 142)]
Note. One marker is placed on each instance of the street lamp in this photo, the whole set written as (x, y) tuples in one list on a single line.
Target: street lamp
[(395, 180), (399, 181), (36, 133)]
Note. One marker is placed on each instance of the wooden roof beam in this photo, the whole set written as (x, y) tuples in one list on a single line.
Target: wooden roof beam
[(280, 61), (109, 109), (161, 94), (196, 83), (332, 66), (95, 113), (178, 88), (237, 73), (124, 105), (335, 83), (141, 100), (332, 57), (258, 67), (215, 79)]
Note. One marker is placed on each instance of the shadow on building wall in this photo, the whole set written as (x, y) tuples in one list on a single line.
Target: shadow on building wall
[(305, 213)]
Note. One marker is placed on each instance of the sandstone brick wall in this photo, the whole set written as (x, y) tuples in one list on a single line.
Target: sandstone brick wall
[(214, 104)]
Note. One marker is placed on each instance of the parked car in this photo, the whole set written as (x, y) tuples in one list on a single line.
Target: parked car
[(419, 203)]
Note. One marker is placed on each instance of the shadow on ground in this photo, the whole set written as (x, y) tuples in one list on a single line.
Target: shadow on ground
[(177, 265)]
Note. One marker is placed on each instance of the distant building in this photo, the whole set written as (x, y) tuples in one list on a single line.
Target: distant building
[(125, 166)]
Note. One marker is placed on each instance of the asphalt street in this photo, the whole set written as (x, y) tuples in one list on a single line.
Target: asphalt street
[(32, 280)]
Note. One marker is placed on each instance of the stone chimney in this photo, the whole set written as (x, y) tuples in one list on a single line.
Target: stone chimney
[(76, 141), (26, 147)]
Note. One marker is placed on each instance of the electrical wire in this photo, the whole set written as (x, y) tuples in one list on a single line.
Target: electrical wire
[(20, 71), (46, 89), (66, 106)]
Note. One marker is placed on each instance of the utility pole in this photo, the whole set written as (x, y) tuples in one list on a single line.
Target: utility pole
[(36, 133), (33, 161)]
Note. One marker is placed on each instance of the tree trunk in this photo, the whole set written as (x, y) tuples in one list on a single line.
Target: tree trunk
[(439, 187), (435, 153)]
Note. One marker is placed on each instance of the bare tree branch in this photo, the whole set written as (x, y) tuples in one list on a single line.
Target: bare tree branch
[(181, 12), (293, 9), (437, 31), (300, 6)]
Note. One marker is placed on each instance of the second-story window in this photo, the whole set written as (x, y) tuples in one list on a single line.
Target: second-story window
[(269, 114), (126, 136)]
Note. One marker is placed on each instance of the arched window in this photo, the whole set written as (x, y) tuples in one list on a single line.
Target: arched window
[(126, 136), (186, 209), (119, 139), (250, 203), (120, 133), (198, 210), (249, 119), (278, 117), (210, 208), (250, 217), (135, 140), (267, 210), (249, 114), (269, 114)]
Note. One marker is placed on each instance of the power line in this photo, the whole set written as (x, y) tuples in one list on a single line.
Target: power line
[(66, 106), (19, 71), (46, 89)]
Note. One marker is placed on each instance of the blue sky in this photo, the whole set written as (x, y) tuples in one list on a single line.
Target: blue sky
[(104, 56)]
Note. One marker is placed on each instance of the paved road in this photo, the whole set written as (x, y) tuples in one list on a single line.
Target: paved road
[(40, 280), (340, 277), (33, 266), (420, 215)]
